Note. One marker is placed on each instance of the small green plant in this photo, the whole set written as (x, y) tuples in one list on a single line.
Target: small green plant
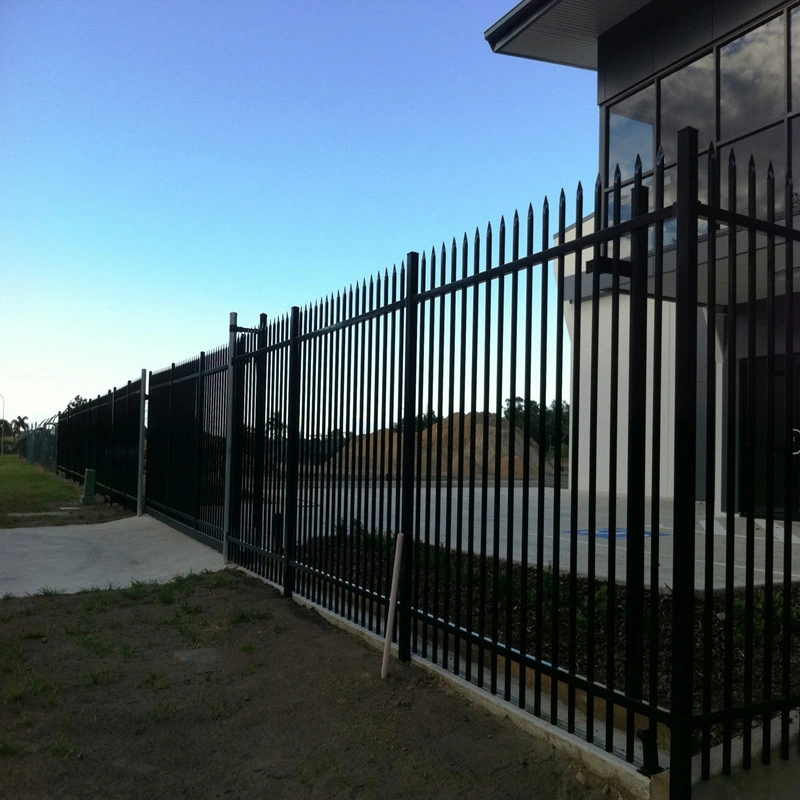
[(10, 656), (188, 632), (157, 681), (242, 615), (49, 591), (62, 748), (96, 644), (8, 748), (138, 590), (15, 689), (163, 710), (103, 677), (166, 595), (24, 686), (247, 648), (184, 584)]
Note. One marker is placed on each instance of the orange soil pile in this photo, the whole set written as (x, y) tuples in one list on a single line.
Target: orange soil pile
[(440, 446)]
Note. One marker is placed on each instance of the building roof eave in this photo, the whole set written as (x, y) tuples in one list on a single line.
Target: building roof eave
[(558, 31)]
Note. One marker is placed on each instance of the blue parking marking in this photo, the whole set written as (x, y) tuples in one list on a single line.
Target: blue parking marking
[(622, 533)]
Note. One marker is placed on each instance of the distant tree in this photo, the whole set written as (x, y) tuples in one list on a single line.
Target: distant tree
[(77, 402), (550, 427), (518, 411), (5, 427), (275, 426), (427, 420), (19, 425), (421, 422)]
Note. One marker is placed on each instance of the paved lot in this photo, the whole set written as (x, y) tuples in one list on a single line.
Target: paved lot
[(499, 513), (69, 558)]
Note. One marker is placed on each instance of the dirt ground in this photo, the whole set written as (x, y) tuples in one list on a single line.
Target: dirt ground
[(215, 686)]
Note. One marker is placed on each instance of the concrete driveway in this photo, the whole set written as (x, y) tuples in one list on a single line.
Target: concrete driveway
[(68, 558)]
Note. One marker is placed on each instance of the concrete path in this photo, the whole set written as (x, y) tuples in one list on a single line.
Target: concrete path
[(69, 558)]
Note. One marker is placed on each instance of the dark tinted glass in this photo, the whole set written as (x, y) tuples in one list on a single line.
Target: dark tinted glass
[(687, 98), (795, 25), (752, 80), (631, 128), (796, 170), (765, 147)]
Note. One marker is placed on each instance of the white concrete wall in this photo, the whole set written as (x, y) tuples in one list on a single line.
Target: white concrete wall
[(669, 365), (603, 399)]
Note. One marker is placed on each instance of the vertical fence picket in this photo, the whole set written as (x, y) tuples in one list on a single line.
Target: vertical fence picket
[(637, 425), (292, 452), (408, 447), (541, 435), (789, 461)]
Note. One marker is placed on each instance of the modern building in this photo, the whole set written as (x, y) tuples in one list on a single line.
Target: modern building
[(730, 69)]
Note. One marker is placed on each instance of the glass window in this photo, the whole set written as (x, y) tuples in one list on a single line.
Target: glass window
[(687, 98), (671, 195), (769, 145), (631, 127), (752, 80), (626, 200), (795, 25)]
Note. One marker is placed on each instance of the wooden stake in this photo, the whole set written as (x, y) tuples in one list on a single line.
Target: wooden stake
[(387, 645)]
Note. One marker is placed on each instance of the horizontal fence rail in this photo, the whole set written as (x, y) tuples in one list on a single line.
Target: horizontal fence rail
[(588, 435)]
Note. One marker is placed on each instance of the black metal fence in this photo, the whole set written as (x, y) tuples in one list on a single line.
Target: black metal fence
[(39, 444), (104, 435), (636, 585), (186, 432)]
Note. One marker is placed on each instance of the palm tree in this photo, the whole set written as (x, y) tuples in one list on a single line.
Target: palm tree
[(18, 425)]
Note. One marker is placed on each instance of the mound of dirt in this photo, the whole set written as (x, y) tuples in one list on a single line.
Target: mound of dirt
[(477, 436)]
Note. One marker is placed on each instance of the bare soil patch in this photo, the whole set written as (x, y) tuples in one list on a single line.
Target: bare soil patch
[(216, 686)]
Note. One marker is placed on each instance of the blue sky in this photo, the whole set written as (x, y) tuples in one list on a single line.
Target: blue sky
[(166, 162)]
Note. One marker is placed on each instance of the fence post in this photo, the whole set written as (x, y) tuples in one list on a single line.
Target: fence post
[(142, 436), (408, 450), (685, 468), (637, 424), (229, 401), (260, 363), (199, 442), (292, 453)]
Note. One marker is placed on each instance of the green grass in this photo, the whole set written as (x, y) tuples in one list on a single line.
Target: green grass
[(28, 488), (62, 748)]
